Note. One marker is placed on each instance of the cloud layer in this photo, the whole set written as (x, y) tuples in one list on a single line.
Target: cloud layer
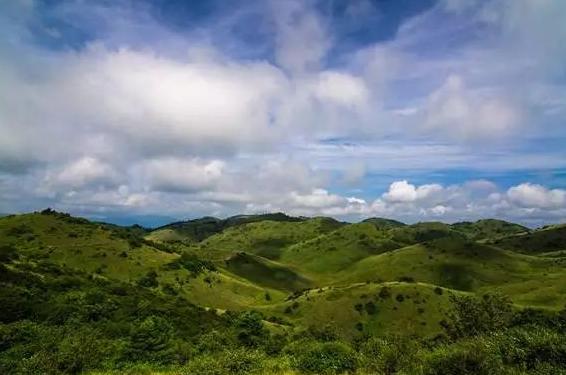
[(115, 108)]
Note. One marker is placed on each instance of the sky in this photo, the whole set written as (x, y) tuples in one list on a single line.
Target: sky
[(148, 111)]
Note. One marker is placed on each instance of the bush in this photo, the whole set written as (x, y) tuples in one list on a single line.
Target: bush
[(528, 348), (8, 253), (476, 357), (385, 292), (214, 342), (150, 341), (387, 355), (229, 362), (149, 280), (192, 263), (407, 279), (472, 316), (327, 358), (371, 308), (250, 329)]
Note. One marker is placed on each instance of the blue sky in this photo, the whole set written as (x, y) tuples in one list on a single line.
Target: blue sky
[(416, 110)]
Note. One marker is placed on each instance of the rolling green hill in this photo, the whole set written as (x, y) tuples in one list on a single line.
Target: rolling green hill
[(549, 239), (375, 278), (466, 266), (266, 238), (489, 228), (196, 230), (262, 271), (334, 251), (414, 309), (382, 223)]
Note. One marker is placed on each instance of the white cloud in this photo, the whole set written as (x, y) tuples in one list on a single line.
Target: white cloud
[(465, 114), (187, 121), (182, 175), (403, 192), (85, 171), (529, 195), (317, 199), (342, 89), (302, 41)]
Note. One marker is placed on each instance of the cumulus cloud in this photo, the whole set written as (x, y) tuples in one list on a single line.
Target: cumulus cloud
[(137, 115), (529, 195), (467, 115), (182, 175), (86, 171), (402, 191), (302, 41)]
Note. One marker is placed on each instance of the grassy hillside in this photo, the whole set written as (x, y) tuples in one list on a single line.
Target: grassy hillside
[(193, 231), (266, 238), (338, 249), (121, 254), (549, 239), (77, 243), (382, 223), (466, 266), (262, 271), (268, 290), (421, 232), (412, 309), (488, 228)]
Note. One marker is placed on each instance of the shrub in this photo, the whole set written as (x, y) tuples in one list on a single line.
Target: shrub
[(387, 355), (371, 308), (19, 230), (192, 263), (472, 316), (327, 358), (150, 341), (214, 342), (385, 292), (149, 280), (528, 348), (250, 329), (230, 362), (475, 357), (8, 253), (407, 279)]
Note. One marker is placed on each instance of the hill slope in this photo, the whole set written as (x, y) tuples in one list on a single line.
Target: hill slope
[(193, 231), (549, 239)]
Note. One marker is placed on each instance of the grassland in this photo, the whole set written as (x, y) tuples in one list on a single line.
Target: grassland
[(376, 278)]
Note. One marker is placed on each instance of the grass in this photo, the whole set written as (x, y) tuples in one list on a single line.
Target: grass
[(262, 271), (83, 245), (327, 254), (550, 239), (466, 266), (260, 264), (369, 308), (266, 238)]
